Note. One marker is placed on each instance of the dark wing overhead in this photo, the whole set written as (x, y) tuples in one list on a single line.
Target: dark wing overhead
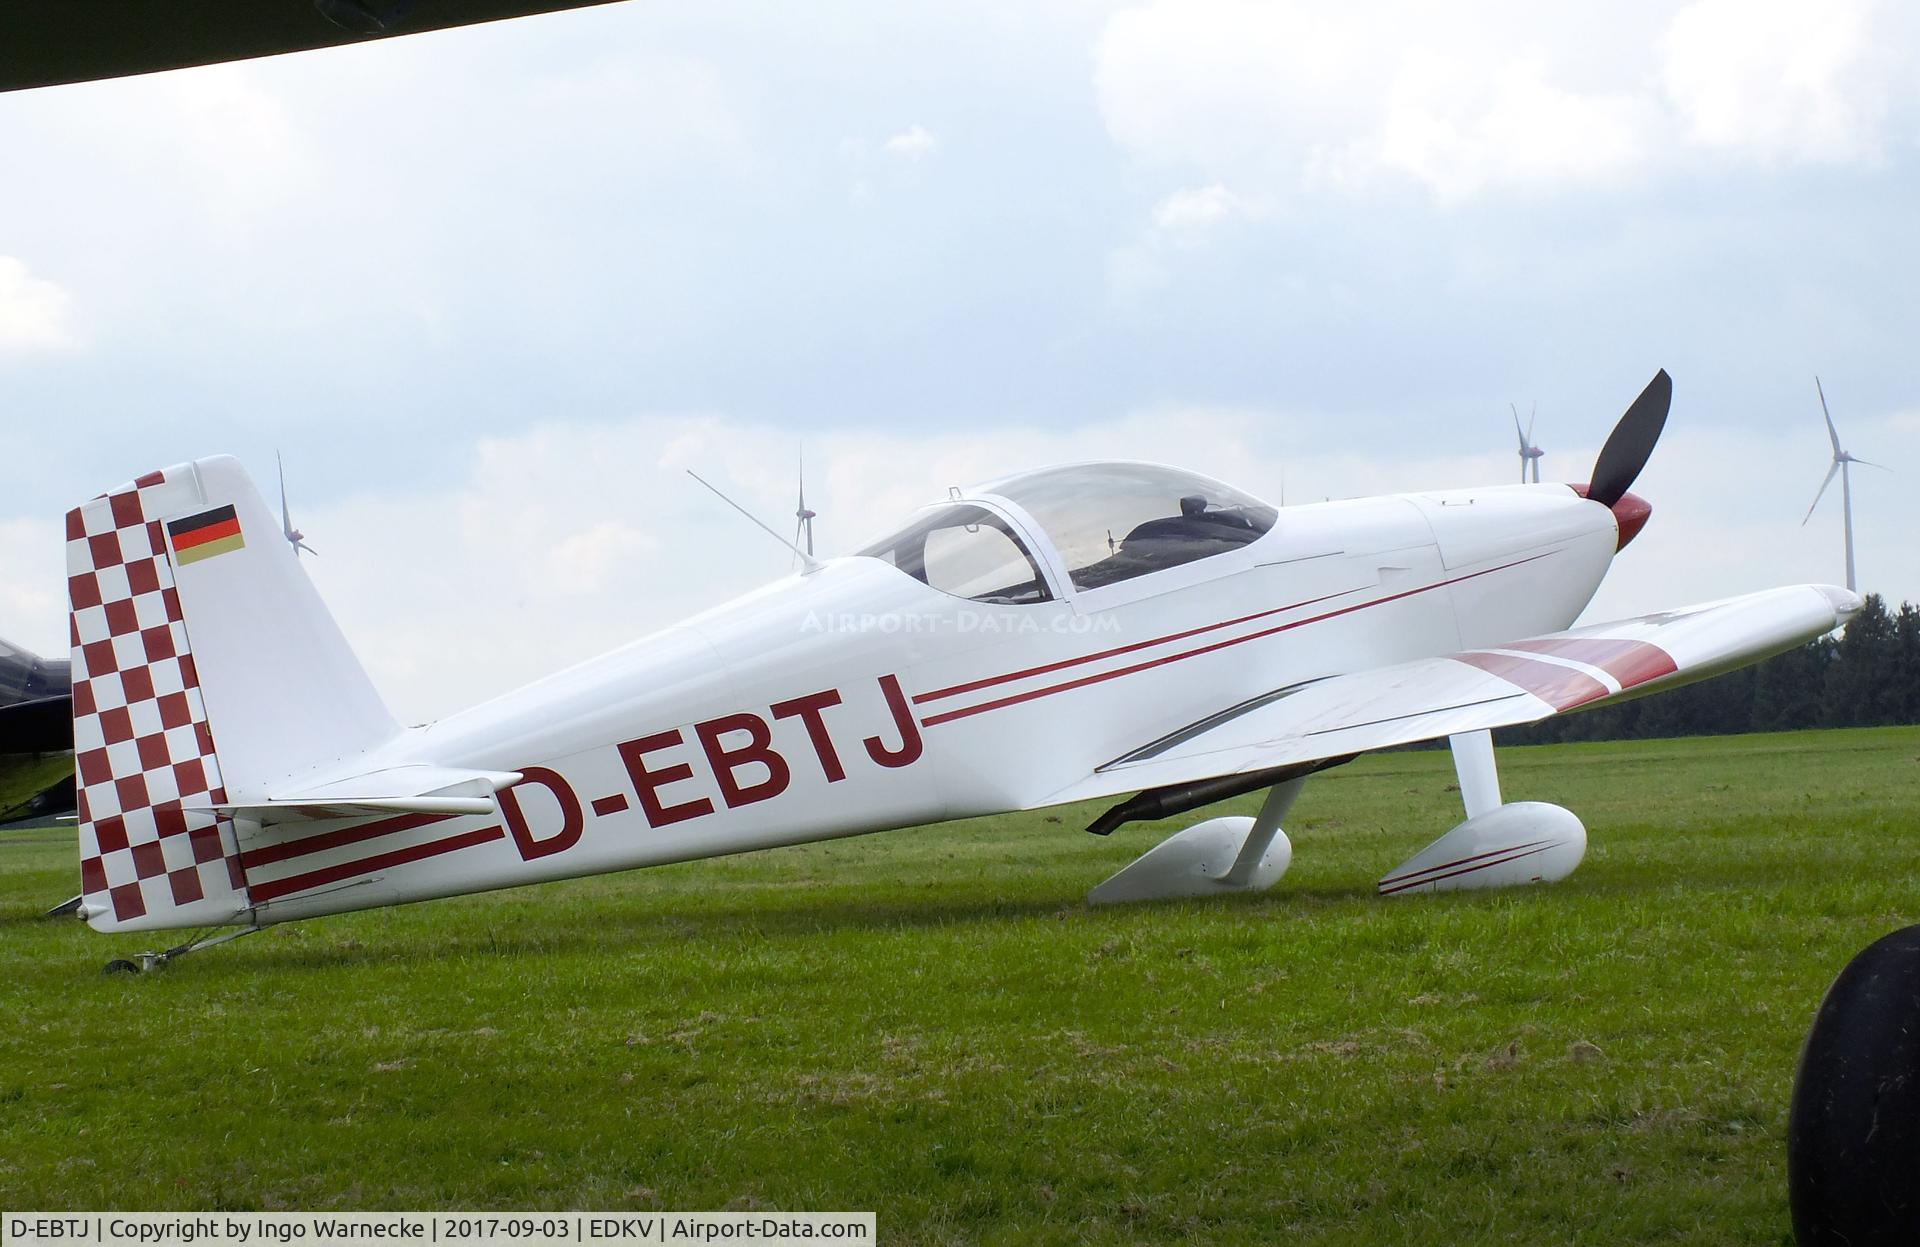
[(48, 42)]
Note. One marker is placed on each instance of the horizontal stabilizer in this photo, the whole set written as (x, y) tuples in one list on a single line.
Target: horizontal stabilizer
[(396, 790)]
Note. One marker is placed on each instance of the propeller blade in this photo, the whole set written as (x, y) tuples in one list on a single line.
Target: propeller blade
[(1631, 443), (1517, 433), (1869, 463), (1823, 491), (1833, 435)]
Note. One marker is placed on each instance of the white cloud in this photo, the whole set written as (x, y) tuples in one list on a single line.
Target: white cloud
[(1465, 99), (635, 107), (1199, 209), (220, 132), (912, 143), (35, 314), (1458, 130), (33, 585), (1780, 80)]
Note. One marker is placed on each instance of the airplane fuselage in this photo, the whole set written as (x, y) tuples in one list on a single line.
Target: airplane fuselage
[(856, 698)]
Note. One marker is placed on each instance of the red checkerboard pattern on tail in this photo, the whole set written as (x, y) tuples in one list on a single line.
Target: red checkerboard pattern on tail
[(142, 746)]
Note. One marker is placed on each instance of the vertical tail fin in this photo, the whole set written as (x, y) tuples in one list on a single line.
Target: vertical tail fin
[(205, 669)]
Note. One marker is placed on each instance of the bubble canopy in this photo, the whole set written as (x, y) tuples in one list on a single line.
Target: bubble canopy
[(1109, 522)]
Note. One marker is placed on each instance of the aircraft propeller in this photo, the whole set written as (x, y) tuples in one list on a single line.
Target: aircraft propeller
[(1631, 443)]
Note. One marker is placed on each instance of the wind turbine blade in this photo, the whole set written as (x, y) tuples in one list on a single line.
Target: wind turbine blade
[(1869, 463), (286, 516), (1833, 435), (1823, 491), (1517, 433), (1533, 409)]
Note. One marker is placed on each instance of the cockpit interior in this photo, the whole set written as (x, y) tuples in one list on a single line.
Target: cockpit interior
[(1108, 523)]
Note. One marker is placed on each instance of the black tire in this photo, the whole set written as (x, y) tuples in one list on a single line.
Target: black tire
[(121, 966), (1853, 1132)]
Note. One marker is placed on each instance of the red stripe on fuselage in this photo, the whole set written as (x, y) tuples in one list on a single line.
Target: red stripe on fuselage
[(1563, 688), (1115, 674), (263, 892), (1047, 668), (285, 850)]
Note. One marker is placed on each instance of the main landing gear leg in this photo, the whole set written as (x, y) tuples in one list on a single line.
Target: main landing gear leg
[(1234, 854), (144, 963)]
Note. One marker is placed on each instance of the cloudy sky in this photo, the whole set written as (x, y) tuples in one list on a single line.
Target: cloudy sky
[(490, 290)]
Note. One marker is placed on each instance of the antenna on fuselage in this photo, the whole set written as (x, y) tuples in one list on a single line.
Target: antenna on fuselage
[(809, 563)]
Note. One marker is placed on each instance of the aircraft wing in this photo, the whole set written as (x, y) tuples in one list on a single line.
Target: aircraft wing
[(40, 725), (49, 42), (1521, 681)]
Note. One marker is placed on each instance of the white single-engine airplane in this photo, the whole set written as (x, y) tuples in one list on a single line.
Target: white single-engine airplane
[(1098, 630)]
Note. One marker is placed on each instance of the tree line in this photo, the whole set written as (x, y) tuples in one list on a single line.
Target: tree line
[(1867, 677)]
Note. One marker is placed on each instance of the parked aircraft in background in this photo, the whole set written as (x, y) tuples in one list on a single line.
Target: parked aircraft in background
[(36, 737), (1099, 630)]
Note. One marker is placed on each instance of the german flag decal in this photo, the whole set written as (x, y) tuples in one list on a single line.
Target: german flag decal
[(204, 535)]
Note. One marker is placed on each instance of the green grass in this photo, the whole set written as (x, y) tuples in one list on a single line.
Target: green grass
[(931, 1024)]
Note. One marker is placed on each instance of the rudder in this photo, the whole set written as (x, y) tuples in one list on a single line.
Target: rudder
[(205, 670)]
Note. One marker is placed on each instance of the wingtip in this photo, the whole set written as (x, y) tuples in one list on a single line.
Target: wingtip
[(1846, 603)]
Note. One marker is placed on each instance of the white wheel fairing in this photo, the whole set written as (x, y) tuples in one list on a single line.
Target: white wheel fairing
[(1519, 843)]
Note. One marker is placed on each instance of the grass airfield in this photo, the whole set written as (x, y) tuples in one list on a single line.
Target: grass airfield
[(931, 1024)]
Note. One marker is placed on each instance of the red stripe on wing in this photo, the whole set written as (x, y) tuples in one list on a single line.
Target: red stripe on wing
[(1563, 688), (1630, 662)]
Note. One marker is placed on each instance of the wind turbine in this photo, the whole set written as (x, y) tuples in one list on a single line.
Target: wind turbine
[(294, 536), (803, 518), (1840, 461), (1529, 453)]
